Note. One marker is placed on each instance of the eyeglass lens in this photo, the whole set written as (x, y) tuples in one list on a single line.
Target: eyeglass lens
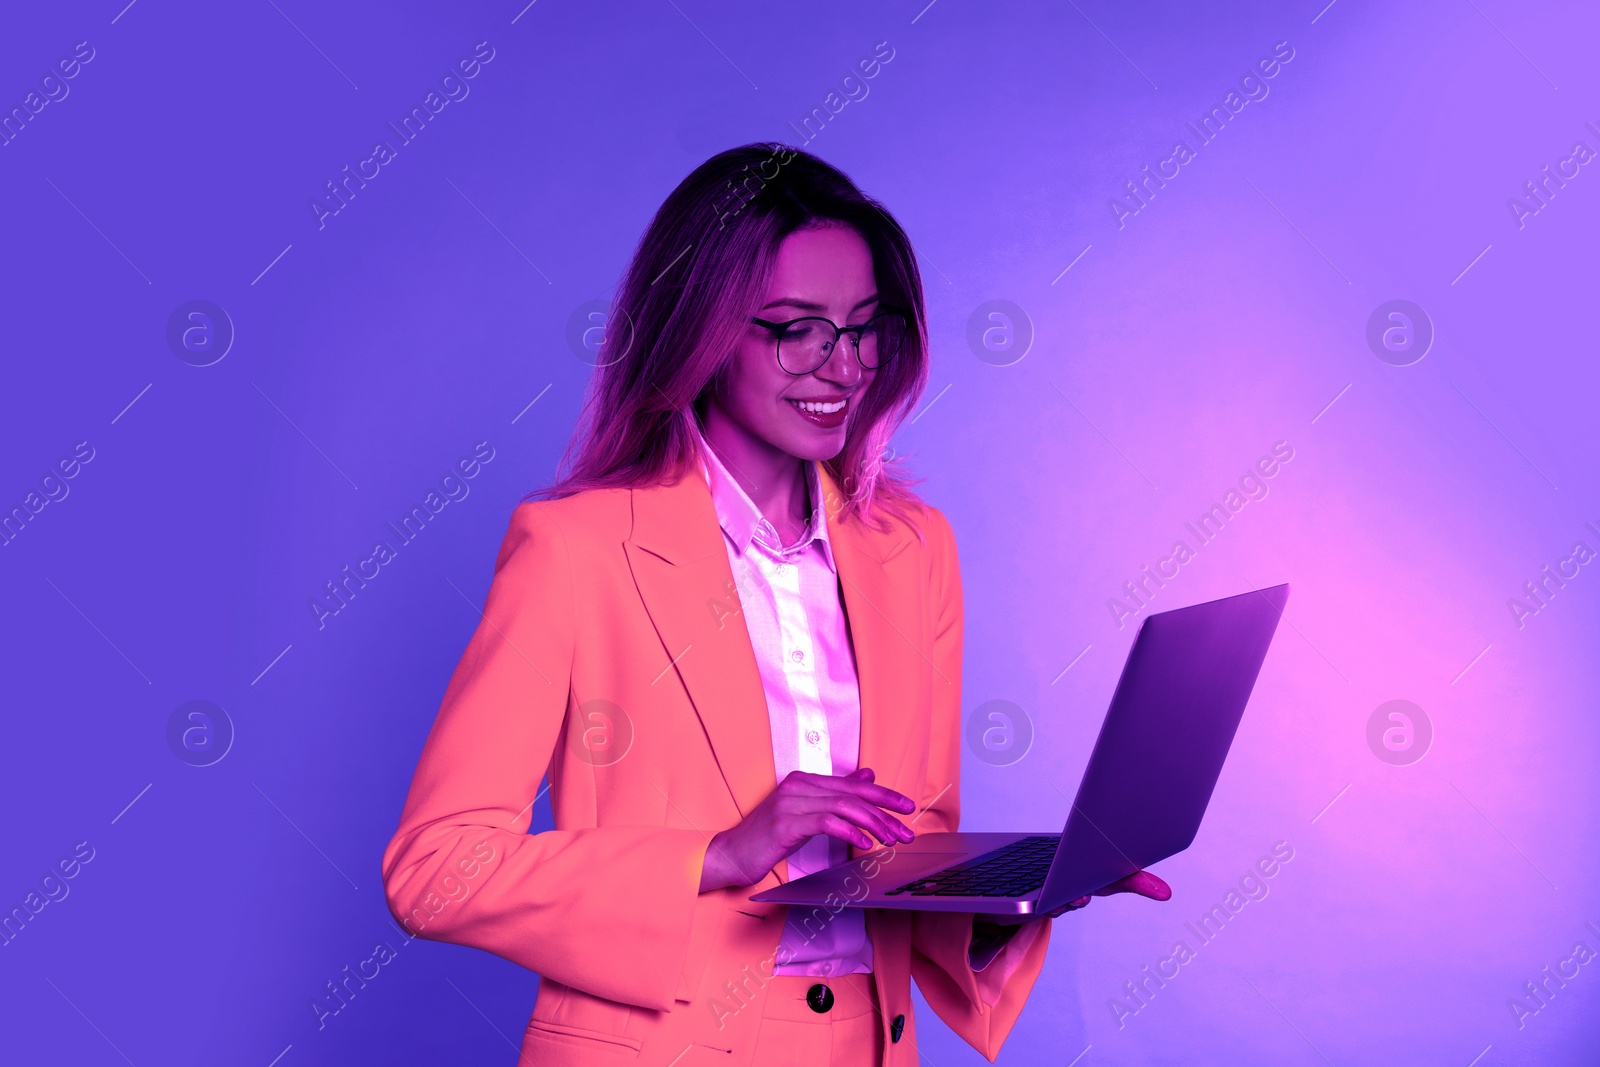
[(807, 343)]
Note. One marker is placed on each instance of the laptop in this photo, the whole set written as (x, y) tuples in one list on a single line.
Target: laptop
[(1149, 778)]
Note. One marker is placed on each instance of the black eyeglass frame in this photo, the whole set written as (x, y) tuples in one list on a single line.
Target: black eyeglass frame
[(779, 328)]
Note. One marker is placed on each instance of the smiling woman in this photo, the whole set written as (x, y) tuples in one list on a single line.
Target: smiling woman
[(699, 281), (788, 389), (771, 618)]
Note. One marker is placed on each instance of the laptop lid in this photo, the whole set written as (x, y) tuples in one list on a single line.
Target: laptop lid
[(1160, 751)]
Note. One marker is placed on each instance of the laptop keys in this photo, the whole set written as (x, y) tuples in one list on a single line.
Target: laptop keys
[(1015, 870)]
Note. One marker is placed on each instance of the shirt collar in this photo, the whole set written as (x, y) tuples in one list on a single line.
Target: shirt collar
[(743, 522)]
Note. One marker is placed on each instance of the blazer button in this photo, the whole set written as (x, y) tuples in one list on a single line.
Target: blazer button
[(897, 1028), (820, 997)]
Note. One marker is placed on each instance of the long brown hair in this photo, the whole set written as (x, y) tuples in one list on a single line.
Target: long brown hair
[(698, 276)]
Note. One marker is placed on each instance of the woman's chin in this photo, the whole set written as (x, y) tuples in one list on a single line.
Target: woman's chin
[(820, 445)]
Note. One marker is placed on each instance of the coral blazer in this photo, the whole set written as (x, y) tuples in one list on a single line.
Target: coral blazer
[(612, 655)]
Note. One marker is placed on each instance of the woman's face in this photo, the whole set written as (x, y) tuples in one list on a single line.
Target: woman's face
[(823, 271)]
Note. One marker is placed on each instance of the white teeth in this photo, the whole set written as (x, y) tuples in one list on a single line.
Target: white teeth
[(819, 408)]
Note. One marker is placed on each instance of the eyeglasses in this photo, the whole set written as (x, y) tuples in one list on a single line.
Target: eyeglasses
[(805, 345)]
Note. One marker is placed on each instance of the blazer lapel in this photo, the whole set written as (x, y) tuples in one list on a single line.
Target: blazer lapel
[(680, 566)]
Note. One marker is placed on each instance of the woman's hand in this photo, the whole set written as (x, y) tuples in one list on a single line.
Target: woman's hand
[(1142, 882), (847, 807)]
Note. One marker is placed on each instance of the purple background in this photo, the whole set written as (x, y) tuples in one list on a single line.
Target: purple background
[(1225, 316)]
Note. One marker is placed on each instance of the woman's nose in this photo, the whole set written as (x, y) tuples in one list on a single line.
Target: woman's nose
[(842, 366)]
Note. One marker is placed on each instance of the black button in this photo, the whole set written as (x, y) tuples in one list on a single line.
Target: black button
[(820, 997), (897, 1028)]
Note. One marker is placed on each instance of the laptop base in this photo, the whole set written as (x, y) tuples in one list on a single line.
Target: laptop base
[(879, 879)]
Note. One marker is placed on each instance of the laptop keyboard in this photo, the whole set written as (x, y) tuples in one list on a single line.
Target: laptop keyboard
[(1013, 871)]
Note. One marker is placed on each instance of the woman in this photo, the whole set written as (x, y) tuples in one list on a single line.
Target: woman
[(732, 636)]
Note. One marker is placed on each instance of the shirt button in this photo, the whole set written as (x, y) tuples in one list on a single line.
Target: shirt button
[(798, 656), (812, 737)]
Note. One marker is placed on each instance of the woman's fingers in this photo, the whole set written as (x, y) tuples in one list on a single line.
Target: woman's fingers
[(859, 783), (869, 817), (1056, 913), (835, 826), (798, 817), (848, 807), (880, 795), (1142, 882)]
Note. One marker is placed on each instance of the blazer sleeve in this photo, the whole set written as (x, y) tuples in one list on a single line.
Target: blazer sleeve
[(462, 867), (940, 940)]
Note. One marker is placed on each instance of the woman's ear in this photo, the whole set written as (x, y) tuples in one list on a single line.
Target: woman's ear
[(715, 389)]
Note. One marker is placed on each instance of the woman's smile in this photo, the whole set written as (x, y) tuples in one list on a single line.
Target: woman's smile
[(826, 412)]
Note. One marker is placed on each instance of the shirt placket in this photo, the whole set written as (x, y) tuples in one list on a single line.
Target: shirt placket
[(799, 663), (813, 749)]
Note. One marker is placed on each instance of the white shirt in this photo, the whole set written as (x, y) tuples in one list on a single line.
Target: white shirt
[(793, 610)]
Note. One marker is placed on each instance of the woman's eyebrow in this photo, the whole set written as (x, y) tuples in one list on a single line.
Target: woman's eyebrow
[(809, 305)]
